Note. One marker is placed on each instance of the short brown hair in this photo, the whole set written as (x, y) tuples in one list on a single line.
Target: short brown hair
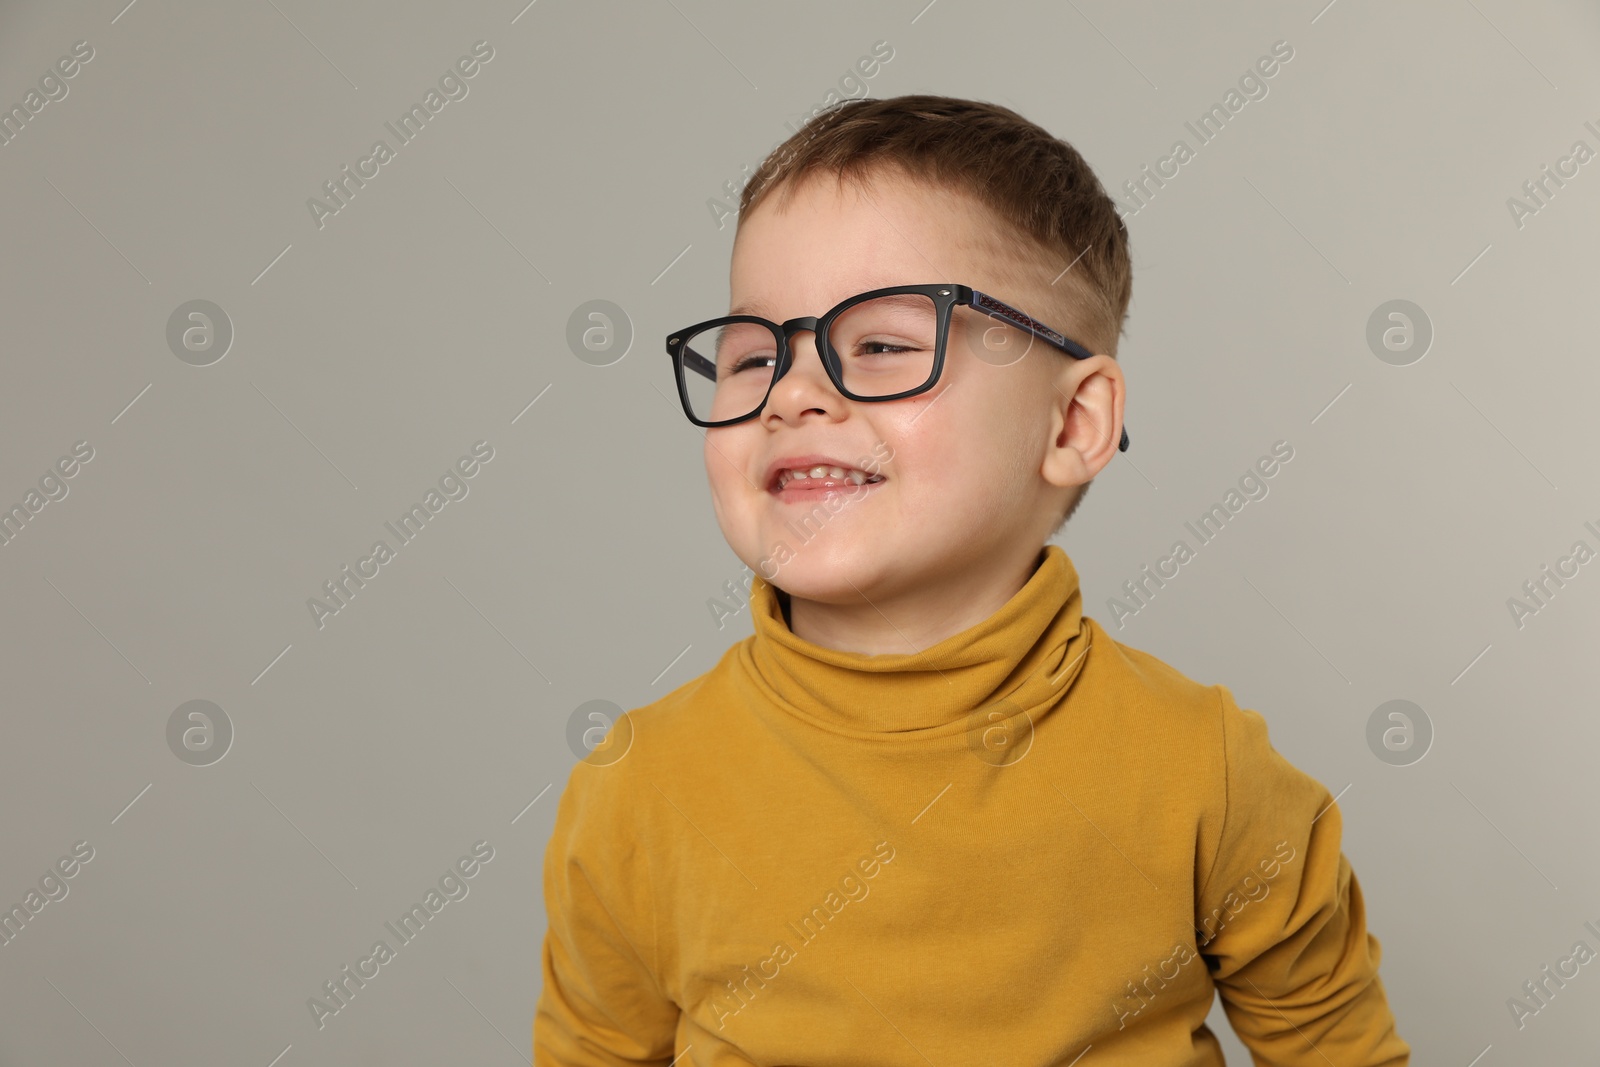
[(1034, 181)]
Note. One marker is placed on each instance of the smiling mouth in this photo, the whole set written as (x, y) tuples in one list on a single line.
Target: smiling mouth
[(823, 477), (811, 487)]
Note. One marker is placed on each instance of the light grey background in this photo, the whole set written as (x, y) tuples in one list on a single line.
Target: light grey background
[(431, 311)]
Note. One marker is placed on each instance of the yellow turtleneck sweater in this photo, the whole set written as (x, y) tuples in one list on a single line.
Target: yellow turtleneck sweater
[(1022, 844)]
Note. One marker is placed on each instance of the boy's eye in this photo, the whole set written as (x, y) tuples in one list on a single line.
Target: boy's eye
[(883, 348), (760, 361)]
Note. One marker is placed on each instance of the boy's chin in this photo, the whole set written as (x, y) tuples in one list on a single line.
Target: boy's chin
[(840, 572)]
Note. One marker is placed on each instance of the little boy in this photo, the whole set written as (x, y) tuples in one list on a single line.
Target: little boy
[(930, 812)]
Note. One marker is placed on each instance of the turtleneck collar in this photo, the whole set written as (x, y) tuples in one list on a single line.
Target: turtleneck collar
[(1026, 653)]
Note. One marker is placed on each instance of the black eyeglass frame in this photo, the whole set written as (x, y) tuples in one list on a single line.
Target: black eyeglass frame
[(945, 297)]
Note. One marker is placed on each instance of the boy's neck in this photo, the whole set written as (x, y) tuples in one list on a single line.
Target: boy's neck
[(920, 619)]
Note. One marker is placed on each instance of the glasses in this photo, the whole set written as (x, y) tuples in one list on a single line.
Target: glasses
[(885, 344)]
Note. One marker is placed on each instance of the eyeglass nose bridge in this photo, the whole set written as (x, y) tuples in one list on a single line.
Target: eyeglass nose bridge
[(791, 327)]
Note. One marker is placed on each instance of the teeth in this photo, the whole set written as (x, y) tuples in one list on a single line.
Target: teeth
[(824, 471)]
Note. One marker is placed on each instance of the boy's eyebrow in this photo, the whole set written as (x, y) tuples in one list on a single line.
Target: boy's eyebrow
[(751, 307)]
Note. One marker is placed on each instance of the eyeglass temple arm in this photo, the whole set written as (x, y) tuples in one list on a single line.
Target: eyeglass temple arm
[(698, 363), (999, 309)]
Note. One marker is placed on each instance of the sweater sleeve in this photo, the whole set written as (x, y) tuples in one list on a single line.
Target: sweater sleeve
[(601, 1005), (1280, 919)]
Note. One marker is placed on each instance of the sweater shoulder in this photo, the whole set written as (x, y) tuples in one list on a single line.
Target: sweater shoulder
[(1157, 691), (612, 792), (656, 736)]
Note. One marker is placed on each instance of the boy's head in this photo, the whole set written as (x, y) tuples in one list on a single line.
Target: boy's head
[(979, 471)]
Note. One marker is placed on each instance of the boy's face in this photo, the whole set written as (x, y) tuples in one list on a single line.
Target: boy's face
[(973, 472)]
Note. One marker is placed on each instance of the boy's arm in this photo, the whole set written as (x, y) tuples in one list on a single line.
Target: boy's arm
[(1280, 919), (601, 1005)]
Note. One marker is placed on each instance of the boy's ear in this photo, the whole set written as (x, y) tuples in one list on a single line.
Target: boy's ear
[(1086, 420)]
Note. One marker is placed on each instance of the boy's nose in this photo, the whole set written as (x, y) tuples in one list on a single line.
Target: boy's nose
[(806, 373)]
